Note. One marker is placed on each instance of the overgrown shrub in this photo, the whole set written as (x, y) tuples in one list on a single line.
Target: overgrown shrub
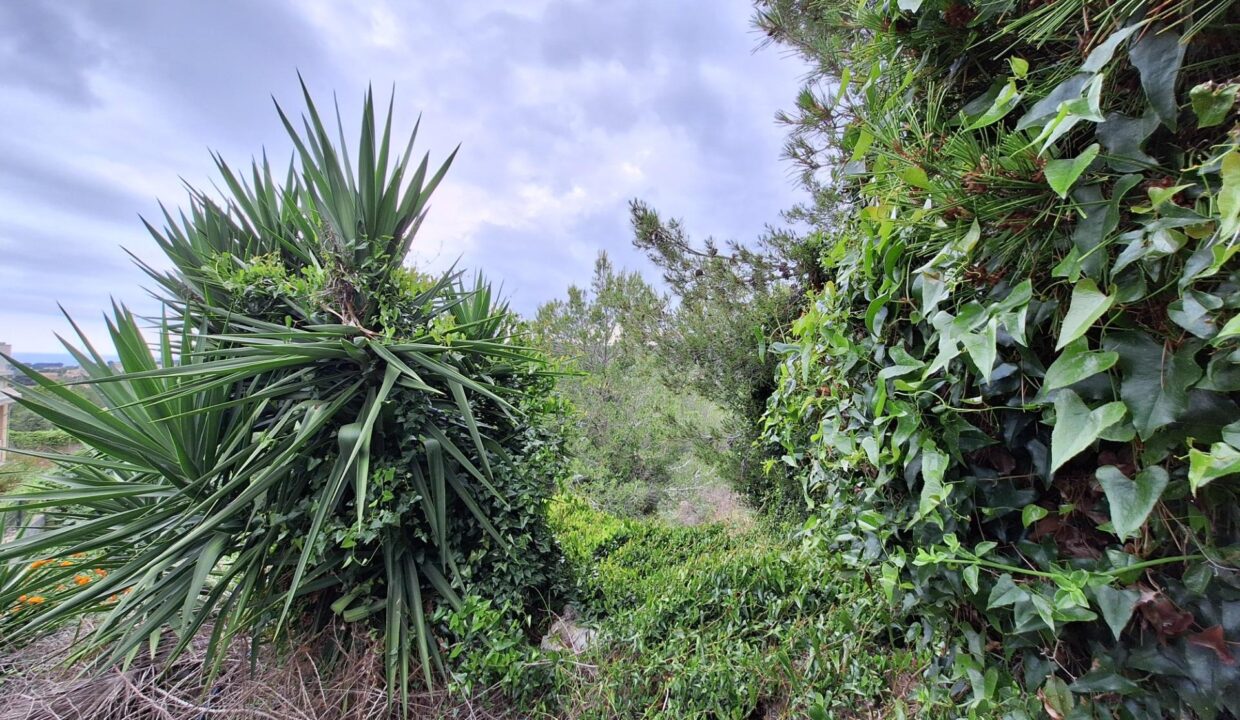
[(22, 420), (721, 622), (317, 432), (1016, 397)]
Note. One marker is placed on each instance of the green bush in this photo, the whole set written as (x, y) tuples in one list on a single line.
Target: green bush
[(641, 443), (1016, 398), (721, 622), (490, 653), (41, 439), (316, 433), (22, 420), (729, 299)]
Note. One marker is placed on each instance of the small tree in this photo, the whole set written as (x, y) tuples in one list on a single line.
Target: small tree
[(637, 429), (732, 302)]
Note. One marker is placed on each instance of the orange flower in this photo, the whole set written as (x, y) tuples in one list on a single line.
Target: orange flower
[(39, 563), (101, 572), (35, 599), (81, 579), (21, 599), (65, 563)]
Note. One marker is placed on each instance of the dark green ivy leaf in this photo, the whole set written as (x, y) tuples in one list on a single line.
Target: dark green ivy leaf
[(1116, 606), (1104, 680), (1005, 592), (1197, 577), (1100, 56), (1123, 138), (1155, 381), (1157, 56), (1056, 697), (1101, 220), (1047, 107)]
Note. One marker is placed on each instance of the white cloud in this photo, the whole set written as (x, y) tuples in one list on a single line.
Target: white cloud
[(565, 111)]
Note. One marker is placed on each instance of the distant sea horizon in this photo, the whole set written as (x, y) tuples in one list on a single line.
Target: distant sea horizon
[(63, 358)]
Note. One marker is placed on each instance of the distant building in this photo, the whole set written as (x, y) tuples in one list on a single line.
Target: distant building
[(5, 401), (74, 372)]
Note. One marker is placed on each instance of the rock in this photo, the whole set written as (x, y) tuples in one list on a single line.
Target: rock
[(565, 635), (686, 514)]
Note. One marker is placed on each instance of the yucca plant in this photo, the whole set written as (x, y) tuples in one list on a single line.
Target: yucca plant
[(317, 432)]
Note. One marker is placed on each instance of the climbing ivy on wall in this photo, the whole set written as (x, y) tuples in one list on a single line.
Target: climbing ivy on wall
[(1015, 403)]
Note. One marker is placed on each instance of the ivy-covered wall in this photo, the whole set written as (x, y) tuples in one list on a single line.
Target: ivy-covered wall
[(1015, 402)]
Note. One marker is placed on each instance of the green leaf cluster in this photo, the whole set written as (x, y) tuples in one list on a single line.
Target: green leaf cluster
[(1016, 397)]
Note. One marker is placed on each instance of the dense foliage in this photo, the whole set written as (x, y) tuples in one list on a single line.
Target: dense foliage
[(994, 369), (640, 440), (729, 301), (1015, 398), (725, 622), (318, 433)]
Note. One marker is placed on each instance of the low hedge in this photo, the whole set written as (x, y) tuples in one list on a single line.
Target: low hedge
[(41, 439)]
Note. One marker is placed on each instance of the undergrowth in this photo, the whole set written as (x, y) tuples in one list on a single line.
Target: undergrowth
[(41, 439), (714, 621), (710, 621)]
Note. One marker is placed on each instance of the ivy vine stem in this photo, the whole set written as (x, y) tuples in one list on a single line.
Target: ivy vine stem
[(1050, 575), (1155, 563)]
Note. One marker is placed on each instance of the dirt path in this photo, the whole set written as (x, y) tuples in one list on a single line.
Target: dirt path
[(712, 503)]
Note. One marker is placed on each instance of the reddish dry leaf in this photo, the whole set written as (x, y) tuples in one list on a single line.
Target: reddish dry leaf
[(1071, 540), (1213, 639), (995, 457), (1048, 706), (1046, 526), (1163, 616), (1077, 543), (1122, 461), (1087, 506)]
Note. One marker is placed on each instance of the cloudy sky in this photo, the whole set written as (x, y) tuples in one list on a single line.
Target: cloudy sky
[(565, 110)]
